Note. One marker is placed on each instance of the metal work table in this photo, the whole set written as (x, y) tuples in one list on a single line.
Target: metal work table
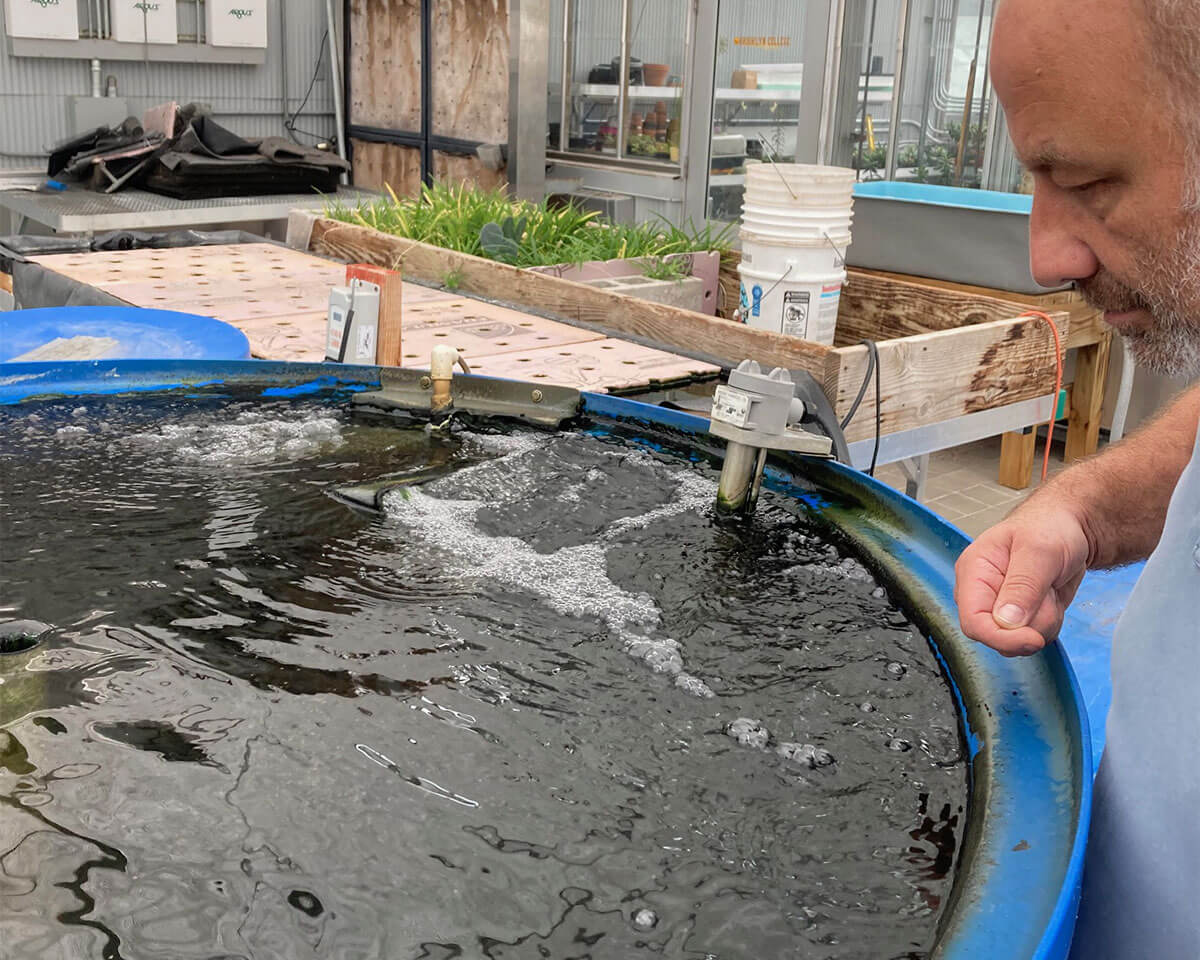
[(86, 212)]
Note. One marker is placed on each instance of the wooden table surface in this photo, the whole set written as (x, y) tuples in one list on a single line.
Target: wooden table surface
[(279, 298)]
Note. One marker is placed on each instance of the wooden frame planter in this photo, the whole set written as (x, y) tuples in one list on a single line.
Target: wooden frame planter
[(943, 354)]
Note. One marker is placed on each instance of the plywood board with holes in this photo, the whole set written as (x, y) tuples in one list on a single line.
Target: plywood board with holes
[(598, 365), (295, 339), (477, 329), (416, 293)]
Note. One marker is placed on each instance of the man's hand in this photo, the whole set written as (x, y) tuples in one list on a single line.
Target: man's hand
[(1015, 582)]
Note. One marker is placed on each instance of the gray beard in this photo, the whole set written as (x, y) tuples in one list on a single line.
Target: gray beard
[(1169, 290)]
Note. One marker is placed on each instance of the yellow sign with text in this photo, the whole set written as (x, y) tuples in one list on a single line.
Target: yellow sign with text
[(762, 41)]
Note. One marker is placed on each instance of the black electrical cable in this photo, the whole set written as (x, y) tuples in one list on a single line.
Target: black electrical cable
[(878, 405), (872, 370), (862, 391), (290, 125)]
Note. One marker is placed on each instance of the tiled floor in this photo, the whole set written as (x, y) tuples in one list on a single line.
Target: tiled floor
[(962, 484)]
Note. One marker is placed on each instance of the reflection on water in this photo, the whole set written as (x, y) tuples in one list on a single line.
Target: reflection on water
[(547, 706)]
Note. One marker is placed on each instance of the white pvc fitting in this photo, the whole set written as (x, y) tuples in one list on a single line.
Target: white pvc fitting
[(442, 363)]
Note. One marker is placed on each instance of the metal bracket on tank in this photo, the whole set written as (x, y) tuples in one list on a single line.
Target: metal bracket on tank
[(412, 390)]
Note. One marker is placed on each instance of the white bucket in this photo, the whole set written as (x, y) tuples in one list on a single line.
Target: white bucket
[(801, 176), (802, 224), (793, 289), (790, 236)]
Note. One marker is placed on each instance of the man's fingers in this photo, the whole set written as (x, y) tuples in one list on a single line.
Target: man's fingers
[(1031, 576), (1022, 642)]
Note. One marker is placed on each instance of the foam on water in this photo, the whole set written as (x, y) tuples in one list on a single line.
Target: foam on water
[(571, 580), (248, 438)]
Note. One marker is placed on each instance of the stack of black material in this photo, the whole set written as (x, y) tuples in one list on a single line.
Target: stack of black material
[(203, 160)]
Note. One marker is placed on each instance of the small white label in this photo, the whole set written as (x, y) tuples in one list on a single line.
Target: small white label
[(731, 406), (366, 344), (796, 307)]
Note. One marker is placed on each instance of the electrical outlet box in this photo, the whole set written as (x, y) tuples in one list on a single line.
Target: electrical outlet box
[(237, 23), (144, 21), (42, 19), (85, 114)]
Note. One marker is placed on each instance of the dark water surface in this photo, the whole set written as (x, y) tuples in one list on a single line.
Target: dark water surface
[(547, 707)]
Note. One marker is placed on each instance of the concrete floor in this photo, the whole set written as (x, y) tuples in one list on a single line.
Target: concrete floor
[(962, 484)]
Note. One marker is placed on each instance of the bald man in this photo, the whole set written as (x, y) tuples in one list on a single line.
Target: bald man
[(1103, 103)]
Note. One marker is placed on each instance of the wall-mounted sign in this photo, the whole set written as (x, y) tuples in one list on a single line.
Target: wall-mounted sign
[(144, 21), (762, 41), (237, 23), (42, 19)]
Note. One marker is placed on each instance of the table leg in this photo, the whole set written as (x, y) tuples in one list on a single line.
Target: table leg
[(1087, 399), (1016, 458)]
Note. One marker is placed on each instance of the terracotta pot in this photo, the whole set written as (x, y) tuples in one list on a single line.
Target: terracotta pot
[(655, 74)]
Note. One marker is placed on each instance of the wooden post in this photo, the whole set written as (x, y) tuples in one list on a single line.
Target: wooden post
[(388, 351), (1087, 399), (1017, 451)]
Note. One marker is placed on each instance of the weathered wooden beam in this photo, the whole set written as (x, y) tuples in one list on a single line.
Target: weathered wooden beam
[(1017, 452), (939, 376), (1087, 400), (665, 326), (1087, 323), (879, 308)]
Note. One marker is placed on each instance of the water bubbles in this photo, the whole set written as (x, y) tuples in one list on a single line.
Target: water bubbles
[(896, 669), (252, 437), (749, 733), (805, 753), (645, 919), (867, 706), (306, 903), (694, 686), (17, 636)]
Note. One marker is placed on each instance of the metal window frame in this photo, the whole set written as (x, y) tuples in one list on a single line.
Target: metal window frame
[(565, 154), (424, 139)]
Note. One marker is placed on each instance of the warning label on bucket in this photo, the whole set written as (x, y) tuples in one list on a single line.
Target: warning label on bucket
[(796, 305)]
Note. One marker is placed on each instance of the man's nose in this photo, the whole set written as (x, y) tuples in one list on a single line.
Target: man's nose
[(1057, 255)]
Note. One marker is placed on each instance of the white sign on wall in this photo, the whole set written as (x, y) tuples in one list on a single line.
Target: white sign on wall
[(144, 21), (42, 19), (237, 23)]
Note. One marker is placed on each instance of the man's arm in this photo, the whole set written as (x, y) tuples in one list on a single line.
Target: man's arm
[(1016, 581), (1121, 497)]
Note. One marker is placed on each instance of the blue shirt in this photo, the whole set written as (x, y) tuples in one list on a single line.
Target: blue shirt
[(1141, 885)]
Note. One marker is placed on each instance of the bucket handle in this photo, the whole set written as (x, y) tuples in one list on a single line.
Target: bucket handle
[(778, 282), (839, 260), (771, 156)]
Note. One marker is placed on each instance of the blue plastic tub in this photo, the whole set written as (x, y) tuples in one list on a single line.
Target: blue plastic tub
[(1016, 889), (122, 333), (978, 237)]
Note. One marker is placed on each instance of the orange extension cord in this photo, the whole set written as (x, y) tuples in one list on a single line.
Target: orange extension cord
[(1058, 356)]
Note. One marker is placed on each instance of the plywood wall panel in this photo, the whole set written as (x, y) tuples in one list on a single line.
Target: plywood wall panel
[(385, 64), (380, 164), (470, 69), (453, 169)]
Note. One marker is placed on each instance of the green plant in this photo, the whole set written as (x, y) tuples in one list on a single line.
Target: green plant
[(455, 217), (502, 241), (643, 145), (659, 268), (871, 160), (452, 279)]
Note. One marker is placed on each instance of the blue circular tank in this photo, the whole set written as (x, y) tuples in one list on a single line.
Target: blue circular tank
[(1017, 884), (120, 333)]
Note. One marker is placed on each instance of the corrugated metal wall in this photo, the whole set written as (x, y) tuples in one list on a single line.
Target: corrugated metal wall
[(248, 99)]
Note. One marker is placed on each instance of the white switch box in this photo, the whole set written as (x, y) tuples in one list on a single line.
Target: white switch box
[(237, 23), (40, 20), (144, 21)]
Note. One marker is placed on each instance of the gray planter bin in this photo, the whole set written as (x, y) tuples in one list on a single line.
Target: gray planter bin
[(978, 237)]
